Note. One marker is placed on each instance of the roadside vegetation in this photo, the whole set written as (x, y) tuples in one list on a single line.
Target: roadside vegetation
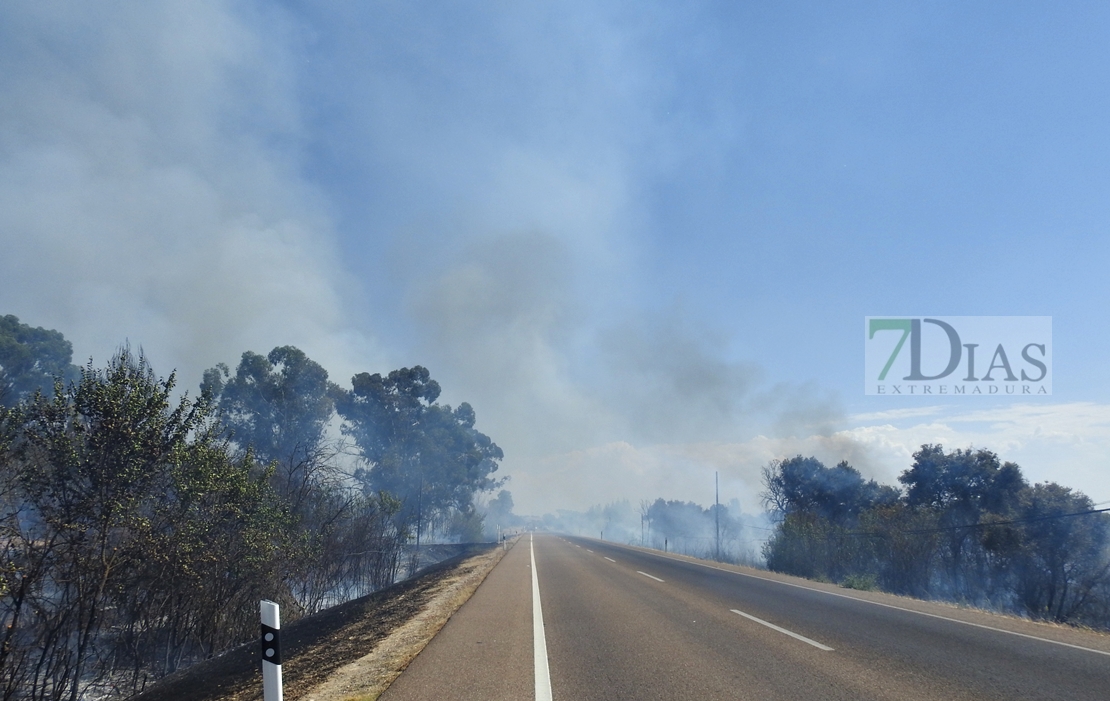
[(963, 526), (141, 525)]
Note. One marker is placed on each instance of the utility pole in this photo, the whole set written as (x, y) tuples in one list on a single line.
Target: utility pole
[(717, 510)]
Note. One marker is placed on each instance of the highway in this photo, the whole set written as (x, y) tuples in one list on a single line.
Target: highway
[(624, 623)]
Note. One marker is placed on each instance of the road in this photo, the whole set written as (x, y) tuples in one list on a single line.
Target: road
[(625, 623)]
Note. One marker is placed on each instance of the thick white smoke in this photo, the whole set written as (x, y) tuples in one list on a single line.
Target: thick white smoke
[(148, 187)]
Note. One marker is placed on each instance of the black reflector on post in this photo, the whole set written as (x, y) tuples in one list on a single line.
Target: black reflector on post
[(271, 644)]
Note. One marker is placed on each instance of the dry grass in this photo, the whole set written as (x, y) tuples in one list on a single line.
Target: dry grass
[(364, 641)]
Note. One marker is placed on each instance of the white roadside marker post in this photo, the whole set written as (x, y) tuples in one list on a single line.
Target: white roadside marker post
[(271, 652)]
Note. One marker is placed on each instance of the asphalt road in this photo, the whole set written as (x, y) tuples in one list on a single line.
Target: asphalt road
[(623, 623)]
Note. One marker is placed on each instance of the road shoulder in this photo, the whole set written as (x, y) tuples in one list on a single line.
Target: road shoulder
[(369, 676), (485, 651)]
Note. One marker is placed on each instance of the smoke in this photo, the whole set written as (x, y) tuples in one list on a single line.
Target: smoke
[(499, 324), (589, 410), (685, 471), (673, 381), (205, 178), (148, 187)]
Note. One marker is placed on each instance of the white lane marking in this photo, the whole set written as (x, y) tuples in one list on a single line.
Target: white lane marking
[(609, 559), (650, 575), (539, 641), (784, 631), (588, 550), (889, 606)]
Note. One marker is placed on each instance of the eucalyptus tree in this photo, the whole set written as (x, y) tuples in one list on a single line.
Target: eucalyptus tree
[(430, 456), (279, 404), (31, 358), (278, 407)]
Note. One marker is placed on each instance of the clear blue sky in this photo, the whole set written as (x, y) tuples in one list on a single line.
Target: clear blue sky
[(640, 238)]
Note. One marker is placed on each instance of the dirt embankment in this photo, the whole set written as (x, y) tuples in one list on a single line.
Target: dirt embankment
[(351, 651)]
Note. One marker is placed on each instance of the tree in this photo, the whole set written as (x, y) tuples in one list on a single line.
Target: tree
[(964, 488), (135, 537), (278, 404), (31, 359), (112, 490), (499, 513), (968, 528), (1063, 558), (964, 482), (278, 407), (429, 456), (903, 545), (805, 485), (500, 508), (686, 527), (820, 509)]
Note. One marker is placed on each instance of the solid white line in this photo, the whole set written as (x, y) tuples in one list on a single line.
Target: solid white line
[(539, 641), (784, 631), (650, 575), (609, 559), (889, 606)]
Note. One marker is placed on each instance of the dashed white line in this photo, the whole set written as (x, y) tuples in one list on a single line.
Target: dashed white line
[(784, 631), (889, 606), (588, 550), (649, 576), (609, 559), (539, 641)]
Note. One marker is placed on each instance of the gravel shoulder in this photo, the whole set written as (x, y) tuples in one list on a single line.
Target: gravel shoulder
[(351, 651)]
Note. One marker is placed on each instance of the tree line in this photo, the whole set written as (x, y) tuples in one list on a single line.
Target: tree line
[(140, 526), (685, 527), (716, 532), (964, 526)]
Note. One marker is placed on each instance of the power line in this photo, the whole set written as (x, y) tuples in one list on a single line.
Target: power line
[(758, 528)]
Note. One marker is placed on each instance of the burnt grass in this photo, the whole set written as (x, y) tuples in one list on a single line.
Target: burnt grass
[(312, 648)]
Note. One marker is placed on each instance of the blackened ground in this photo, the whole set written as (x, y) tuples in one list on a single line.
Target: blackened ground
[(313, 647)]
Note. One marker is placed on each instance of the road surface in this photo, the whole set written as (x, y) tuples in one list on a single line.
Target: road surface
[(624, 623)]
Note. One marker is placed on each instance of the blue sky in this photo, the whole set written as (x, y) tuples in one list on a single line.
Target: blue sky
[(640, 238)]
